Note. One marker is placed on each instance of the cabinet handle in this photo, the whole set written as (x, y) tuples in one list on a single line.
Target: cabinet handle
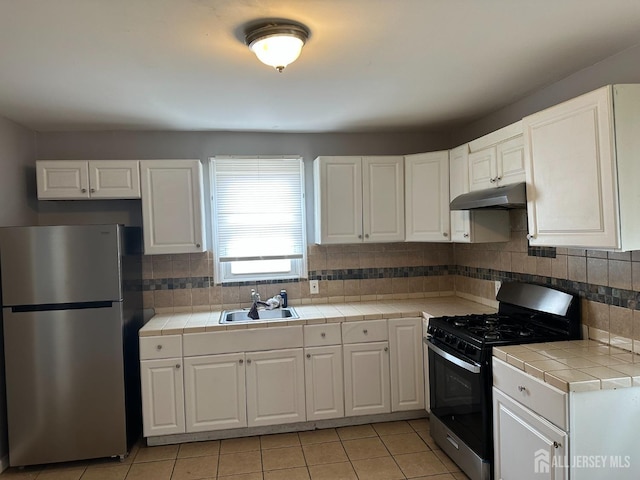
[(248, 361), (530, 236), (93, 190), (308, 355), (241, 361), (366, 235), (323, 334), (499, 178), (386, 349), (177, 365), (492, 180), (556, 445), (522, 388), (359, 236), (83, 190), (365, 331), (445, 234), (197, 245), (465, 235), (159, 347)]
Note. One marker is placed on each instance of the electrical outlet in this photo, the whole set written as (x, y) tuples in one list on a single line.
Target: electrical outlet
[(314, 288), (497, 284)]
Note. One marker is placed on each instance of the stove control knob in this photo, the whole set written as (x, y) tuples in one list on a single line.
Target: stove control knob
[(462, 345), (469, 349)]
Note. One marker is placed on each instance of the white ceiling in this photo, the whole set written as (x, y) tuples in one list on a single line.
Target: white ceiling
[(369, 65)]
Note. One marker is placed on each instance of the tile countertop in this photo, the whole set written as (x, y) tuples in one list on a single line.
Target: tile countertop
[(179, 323), (575, 366)]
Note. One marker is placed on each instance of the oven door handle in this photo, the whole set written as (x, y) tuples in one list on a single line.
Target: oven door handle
[(452, 358)]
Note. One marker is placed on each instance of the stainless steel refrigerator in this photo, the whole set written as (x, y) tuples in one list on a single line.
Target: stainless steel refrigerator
[(71, 301)]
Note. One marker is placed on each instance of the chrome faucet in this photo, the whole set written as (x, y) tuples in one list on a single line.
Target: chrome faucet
[(253, 311)]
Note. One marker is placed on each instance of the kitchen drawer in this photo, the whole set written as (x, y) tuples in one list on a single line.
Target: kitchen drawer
[(165, 346), (542, 398), (249, 340), (367, 331), (321, 335)]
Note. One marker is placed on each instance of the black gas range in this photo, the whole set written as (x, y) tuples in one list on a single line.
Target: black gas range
[(460, 376)]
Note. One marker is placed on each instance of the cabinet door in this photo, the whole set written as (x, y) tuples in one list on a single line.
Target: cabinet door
[(215, 392), (324, 382), (406, 364), (62, 179), (571, 175), (526, 446), (482, 169), (366, 378), (172, 206), (162, 397), (338, 199), (275, 387), (459, 184), (426, 180), (114, 179), (510, 158), (383, 199)]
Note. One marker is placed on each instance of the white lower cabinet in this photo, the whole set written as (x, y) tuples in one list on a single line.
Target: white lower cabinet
[(366, 378), (215, 392), (527, 446), (324, 390), (406, 364), (275, 387), (162, 396), (541, 432)]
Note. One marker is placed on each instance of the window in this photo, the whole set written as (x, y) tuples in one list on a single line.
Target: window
[(258, 218)]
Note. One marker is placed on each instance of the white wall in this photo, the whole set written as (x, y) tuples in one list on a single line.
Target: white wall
[(623, 67), (17, 207)]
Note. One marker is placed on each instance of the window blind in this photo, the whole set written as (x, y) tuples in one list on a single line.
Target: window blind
[(259, 208)]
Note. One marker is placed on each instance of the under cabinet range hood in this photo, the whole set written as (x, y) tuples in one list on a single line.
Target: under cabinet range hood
[(509, 196)]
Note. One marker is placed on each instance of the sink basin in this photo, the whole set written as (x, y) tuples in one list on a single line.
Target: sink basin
[(241, 316)]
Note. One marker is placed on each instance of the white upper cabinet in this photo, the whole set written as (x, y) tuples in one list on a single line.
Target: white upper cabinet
[(87, 179), (472, 226), (172, 206), (497, 159), (582, 171), (426, 181), (359, 199)]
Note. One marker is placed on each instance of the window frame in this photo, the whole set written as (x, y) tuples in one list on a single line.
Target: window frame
[(222, 269)]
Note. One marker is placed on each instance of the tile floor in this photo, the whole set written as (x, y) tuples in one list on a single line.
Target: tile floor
[(379, 451)]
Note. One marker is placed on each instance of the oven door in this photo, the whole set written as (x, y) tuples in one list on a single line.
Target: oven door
[(459, 397)]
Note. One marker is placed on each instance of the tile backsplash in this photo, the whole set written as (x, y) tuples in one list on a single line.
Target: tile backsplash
[(345, 273), (608, 283)]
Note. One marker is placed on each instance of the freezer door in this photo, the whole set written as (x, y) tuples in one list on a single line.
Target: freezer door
[(60, 264), (65, 384)]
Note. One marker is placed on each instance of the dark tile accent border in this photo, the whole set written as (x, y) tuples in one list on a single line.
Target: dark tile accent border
[(595, 293), (548, 252)]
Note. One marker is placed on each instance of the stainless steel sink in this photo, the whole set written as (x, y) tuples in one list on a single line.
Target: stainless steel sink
[(241, 316)]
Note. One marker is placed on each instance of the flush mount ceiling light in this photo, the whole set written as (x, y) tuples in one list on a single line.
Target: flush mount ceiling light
[(277, 44)]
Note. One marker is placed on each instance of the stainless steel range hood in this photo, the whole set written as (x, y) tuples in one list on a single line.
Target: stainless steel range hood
[(509, 196)]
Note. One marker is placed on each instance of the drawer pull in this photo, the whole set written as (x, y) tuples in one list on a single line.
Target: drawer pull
[(556, 445), (249, 361), (323, 334), (241, 361), (177, 365), (365, 331), (386, 349), (159, 347), (522, 388), (308, 355), (453, 442)]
